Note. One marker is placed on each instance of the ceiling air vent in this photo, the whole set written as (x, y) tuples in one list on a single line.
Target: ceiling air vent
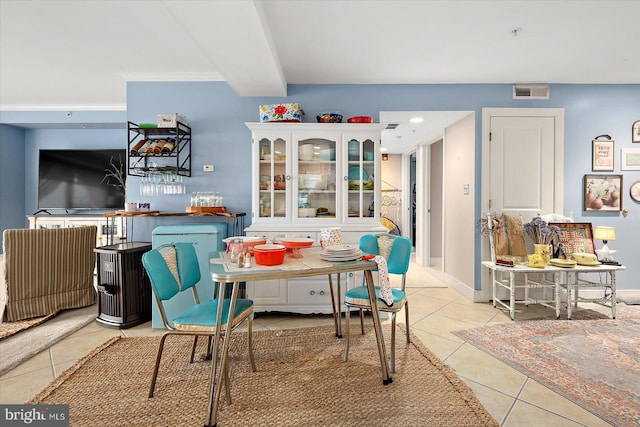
[(392, 125), (531, 92)]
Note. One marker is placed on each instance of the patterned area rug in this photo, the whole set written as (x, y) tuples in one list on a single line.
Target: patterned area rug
[(301, 380), (593, 362)]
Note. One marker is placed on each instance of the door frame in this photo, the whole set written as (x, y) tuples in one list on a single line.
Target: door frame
[(558, 191)]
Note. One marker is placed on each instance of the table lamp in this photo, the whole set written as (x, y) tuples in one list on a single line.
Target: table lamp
[(605, 234)]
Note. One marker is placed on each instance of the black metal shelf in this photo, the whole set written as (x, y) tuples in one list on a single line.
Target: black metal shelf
[(178, 161)]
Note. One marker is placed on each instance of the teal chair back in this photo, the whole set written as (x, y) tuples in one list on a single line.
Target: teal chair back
[(400, 256), (166, 283), (398, 262)]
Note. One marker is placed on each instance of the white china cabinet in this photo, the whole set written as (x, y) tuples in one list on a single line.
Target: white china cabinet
[(305, 177)]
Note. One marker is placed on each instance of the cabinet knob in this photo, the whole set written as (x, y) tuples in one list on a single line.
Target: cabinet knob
[(312, 292), (288, 177), (346, 178), (321, 292)]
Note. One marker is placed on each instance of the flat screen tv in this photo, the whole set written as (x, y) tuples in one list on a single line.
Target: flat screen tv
[(78, 179)]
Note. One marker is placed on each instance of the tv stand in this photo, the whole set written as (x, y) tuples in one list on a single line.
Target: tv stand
[(105, 229)]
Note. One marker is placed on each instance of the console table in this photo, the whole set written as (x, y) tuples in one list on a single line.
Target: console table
[(572, 279), (235, 221)]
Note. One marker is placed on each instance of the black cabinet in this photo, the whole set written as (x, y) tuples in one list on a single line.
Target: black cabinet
[(154, 150), (124, 290)]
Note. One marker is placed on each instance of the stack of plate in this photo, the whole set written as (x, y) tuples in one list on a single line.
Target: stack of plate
[(341, 253)]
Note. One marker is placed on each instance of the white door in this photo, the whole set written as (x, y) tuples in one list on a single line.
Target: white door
[(522, 165)]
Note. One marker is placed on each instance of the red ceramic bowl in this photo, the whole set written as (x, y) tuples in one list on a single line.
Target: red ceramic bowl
[(360, 119), (297, 242), (269, 254)]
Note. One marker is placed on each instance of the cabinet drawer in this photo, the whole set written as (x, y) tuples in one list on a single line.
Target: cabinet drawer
[(313, 292), (267, 292)]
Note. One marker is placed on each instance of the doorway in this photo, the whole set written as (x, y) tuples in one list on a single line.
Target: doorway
[(422, 217)]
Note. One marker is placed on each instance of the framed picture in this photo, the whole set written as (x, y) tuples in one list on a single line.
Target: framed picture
[(603, 155), (575, 237), (634, 191), (602, 193), (630, 159), (635, 131)]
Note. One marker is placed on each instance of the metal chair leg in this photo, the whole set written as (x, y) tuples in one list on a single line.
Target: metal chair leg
[(227, 384), (393, 343), (406, 313), (362, 321), (193, 348), (336, 311), (347, 325), (157, 367), (250, 341)]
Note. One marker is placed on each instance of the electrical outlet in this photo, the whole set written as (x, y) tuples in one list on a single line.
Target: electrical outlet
[(207, 168)]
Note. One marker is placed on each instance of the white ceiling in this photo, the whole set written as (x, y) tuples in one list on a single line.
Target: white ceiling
[(72, 55)]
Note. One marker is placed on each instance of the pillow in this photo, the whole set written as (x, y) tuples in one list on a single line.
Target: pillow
[(385, 243)]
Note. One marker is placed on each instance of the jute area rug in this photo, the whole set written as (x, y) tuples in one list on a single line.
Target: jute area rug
[(8, 329), (26, 343), (590, 360), (301, 381)]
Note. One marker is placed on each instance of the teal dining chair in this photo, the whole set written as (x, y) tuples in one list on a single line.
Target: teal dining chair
[(173, 268), (397, 252)]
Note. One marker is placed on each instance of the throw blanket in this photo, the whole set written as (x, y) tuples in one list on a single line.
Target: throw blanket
[(383, 277)]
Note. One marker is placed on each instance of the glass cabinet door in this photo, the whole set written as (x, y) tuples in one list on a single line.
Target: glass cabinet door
[(274, 178), (316, 178), (359, 178)]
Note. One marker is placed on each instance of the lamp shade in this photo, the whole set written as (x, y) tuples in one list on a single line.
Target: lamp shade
[(604, 233)]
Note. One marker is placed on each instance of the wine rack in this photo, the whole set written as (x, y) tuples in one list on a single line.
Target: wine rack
[(156, 150)]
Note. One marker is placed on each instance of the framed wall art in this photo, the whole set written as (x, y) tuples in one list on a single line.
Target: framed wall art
[(602, 193), (603, 154), (575, 237), (635, 131), (630, 159), (634, 191)]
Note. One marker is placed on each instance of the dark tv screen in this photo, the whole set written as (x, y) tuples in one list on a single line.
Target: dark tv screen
[(77, 179)]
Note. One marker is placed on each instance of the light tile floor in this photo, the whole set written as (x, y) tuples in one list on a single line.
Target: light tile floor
[(511, 397)]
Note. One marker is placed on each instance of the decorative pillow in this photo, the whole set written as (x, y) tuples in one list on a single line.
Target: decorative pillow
[(170, 258), (385, 243)]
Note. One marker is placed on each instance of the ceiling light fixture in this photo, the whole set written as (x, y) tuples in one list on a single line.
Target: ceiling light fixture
[(416, 120)]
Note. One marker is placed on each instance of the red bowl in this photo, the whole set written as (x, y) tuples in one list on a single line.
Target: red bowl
[(297, 242), (360, 119), (269, 254)]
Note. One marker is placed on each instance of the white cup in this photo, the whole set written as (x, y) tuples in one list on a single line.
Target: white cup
[(330, 236), (131, 207)]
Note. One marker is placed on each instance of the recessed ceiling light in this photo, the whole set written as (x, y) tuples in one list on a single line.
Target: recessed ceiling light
[(416, 120), (383, 149)]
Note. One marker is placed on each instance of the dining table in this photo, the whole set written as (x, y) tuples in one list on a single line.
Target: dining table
[(223, 271)]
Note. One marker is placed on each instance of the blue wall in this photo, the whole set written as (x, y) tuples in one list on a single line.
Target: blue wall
[(220, 137), (12, 174)]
